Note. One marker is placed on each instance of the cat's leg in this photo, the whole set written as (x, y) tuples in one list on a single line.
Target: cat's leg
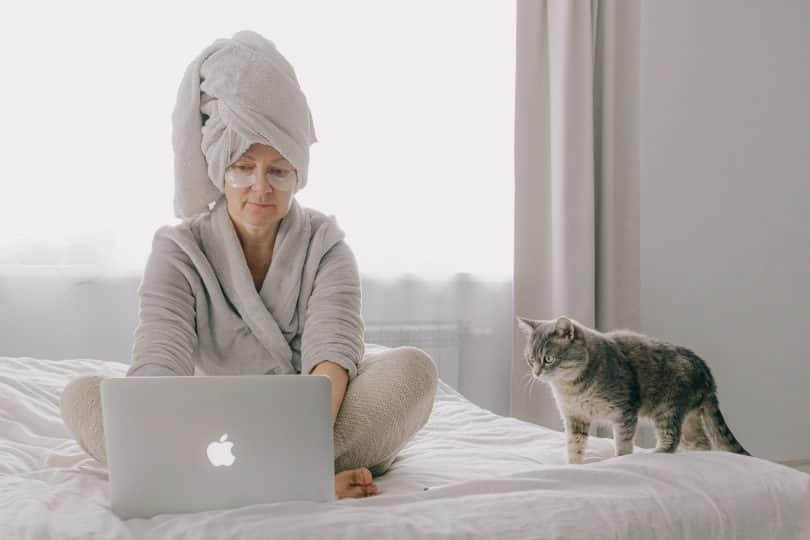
[(668, 430), (577, 431), (693, 434), (623, 434)]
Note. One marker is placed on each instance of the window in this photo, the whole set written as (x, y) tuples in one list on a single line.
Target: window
[(412, 104)]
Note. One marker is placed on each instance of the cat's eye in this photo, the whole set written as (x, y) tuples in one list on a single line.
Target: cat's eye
[(548, 360)]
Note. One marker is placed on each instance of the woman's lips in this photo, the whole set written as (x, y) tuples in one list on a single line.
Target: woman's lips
[(258, 205)]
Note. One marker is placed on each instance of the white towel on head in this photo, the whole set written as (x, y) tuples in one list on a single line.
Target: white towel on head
[(236, 92)]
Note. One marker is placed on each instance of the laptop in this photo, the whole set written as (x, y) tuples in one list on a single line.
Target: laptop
[(180, 444)]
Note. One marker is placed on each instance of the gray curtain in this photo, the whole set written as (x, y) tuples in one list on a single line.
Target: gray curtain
[(576, 174)]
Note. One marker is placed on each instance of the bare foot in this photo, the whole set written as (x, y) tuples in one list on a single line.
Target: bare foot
[(355, 483)]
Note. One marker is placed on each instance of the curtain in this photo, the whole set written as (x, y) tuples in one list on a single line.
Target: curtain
[(413, 105), (576, 175)]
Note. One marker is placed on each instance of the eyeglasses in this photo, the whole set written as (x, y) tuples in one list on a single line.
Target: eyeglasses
[(242, 176)]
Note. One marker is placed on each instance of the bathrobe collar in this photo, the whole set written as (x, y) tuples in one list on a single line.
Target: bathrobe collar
[(270, 313)]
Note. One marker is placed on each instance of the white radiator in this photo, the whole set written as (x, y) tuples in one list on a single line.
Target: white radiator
[(442, 340)]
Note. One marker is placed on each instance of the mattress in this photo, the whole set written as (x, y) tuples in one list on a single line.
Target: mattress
[(469, 473)]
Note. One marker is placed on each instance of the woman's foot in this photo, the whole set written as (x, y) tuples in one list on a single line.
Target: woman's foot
[(355, 483)]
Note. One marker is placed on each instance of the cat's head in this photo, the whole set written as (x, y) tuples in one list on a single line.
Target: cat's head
[(555, 349)]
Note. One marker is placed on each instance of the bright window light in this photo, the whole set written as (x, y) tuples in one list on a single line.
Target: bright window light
[(413, 106)]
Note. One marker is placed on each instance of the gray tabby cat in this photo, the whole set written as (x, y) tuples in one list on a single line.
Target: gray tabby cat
[(620, 375)]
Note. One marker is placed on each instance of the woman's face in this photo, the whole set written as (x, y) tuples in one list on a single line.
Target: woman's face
[(260, 206)]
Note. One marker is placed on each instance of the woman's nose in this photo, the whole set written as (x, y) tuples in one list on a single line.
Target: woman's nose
[(261, 184)]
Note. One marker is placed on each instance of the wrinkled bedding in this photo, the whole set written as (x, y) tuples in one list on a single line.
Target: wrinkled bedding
[(469, 473)]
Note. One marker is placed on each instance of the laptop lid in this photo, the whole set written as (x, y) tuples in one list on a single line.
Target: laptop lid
[(188, 444)]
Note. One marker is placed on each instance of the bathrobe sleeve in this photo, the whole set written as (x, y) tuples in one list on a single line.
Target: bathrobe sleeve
[(333, 324), (166, 335)]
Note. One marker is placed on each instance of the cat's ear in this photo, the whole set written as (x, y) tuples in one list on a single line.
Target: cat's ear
[(565, 328), (527, 326)]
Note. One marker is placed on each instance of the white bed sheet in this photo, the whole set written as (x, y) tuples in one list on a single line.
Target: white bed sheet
[(488, 476)]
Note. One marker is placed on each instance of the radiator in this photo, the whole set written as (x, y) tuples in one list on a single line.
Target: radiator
[(442, 340)]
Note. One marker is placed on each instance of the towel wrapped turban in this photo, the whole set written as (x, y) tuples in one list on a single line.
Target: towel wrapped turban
[(236, 92)]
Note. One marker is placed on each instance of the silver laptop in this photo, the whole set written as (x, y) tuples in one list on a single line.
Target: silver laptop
[(188, 444)]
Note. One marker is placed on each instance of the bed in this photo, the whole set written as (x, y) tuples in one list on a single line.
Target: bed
[(469, 473)]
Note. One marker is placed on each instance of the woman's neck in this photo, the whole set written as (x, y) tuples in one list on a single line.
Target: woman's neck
[(257, 247)]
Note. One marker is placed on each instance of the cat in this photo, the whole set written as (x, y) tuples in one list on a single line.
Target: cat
[(620, 376)]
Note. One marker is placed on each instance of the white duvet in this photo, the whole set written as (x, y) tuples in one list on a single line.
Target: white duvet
[(487, 476)]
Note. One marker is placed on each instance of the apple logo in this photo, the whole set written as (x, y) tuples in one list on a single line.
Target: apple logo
[(219, 453)]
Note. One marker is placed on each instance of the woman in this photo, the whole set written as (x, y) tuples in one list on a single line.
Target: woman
[(251, 282)]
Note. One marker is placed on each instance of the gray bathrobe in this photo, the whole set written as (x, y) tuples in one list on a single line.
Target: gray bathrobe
[(200, 311)]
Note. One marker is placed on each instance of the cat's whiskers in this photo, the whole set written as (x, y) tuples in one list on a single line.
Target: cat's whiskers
[(527, 382), (533, 380)]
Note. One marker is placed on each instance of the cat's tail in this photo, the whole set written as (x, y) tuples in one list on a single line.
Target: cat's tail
[(721, 435)]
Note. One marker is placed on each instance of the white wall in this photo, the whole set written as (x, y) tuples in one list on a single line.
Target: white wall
[(725, 200)]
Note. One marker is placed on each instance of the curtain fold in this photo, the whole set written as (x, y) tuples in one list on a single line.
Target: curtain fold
[(576, 175)]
